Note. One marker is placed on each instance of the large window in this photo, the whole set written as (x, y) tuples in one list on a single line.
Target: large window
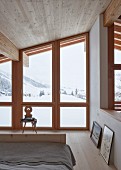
[(117, 66), (73, 83), (52, 78), (55, 83)]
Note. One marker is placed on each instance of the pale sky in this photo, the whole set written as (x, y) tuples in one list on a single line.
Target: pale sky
[(72, 68)]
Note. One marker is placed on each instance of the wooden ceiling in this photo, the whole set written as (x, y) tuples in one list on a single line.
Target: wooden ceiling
[(30, 22)]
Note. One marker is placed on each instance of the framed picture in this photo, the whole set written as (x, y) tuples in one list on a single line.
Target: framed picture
[(106, 144), (96, 133)]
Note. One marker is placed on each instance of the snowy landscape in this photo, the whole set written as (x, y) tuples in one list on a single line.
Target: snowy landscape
[(36, 91)]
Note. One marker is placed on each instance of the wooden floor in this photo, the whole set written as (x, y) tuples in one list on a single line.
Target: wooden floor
[(86, 154)]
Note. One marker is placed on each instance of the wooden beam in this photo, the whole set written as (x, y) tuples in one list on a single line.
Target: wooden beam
[(7, 48), (112, 12), (25, 60)]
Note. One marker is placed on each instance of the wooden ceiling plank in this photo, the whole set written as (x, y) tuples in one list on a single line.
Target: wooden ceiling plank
[(117, 42), (117, 47), (117, 36), (5, 60), (7, 48), (112, 12), (117, 28), (30, 22)]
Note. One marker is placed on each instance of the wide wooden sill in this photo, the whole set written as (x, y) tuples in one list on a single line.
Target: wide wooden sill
[(116, 115)]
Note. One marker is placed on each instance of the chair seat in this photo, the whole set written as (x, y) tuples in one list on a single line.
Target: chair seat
[(29, 119), (32, 120)]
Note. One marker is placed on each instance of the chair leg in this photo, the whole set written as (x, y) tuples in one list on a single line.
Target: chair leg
[(35, 127), (24, 127)]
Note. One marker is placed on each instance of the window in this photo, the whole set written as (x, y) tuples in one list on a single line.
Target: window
[(53, 78), (5, 81), (72, 117), (37, 77), (55, 83), (73, 72), (43, 116), (117, 66), (5, 116), (73, 83)]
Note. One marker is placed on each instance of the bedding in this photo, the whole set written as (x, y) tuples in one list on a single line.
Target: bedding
[(38, 156)]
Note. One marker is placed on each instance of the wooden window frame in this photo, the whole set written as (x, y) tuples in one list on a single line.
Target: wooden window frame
[(77, 39), (112, 67)]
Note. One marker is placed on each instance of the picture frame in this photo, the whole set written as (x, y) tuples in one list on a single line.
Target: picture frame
[(106, 143), (96, 134)]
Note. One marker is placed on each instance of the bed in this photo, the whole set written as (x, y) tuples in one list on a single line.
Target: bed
[(40, 155)]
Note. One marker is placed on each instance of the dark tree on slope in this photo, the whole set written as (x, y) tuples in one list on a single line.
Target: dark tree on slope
[(72, 93), (76, 91), (42, 93)]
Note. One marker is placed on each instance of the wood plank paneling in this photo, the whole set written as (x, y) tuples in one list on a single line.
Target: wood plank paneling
[(7, 48), (31, 22), (112, 12), (117, 36), (117, 42)]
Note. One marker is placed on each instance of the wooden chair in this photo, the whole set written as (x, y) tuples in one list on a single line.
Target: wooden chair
[(29, 119)]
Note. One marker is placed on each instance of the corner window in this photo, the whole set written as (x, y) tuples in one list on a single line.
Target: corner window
[(117, 66)]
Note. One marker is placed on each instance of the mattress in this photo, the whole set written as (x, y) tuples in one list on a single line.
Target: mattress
[(38, 156)]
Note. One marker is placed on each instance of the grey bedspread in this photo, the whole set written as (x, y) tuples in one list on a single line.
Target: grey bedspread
[(35, 154)]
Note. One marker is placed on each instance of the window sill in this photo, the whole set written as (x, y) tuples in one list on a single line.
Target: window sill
[(116, 115)]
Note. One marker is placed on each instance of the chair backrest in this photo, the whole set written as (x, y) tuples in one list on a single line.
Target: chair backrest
[(28, 110)]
